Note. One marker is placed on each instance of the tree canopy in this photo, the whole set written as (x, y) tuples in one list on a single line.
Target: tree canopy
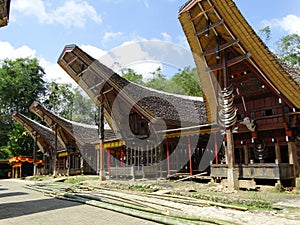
[(185, 82), (21, 83), (288, 49)]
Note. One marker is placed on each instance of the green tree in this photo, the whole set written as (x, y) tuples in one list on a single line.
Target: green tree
[(84, 109), (20, 142), (21, 83), (265, 34), (158, 80), (188, 80), (185, 82), (288, 49), (133, 76), (59, 99)]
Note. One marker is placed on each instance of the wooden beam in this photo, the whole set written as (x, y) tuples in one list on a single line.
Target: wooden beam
[(209, 27), (96, 85), (72, 60), (229, 63), (221, 47), (202, 12), (191, 5)]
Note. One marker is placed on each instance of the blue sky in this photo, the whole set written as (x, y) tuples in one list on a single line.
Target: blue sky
[(41, 28)]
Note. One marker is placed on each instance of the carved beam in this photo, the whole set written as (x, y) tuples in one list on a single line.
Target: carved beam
[(209, 27), (229, 63), (220, 48)]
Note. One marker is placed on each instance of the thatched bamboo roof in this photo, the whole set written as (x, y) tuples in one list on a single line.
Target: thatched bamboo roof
[(4, 12), (121, 96), (45, 136), (71, 133), (214, 25)]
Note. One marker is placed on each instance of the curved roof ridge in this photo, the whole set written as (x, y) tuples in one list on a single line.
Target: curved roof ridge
[(188, 97)]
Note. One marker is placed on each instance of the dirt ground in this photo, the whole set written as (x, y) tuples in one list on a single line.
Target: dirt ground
[(265, 205)]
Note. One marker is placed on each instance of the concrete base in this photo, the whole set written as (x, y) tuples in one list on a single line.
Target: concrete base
[(232, 179), (298, 185)]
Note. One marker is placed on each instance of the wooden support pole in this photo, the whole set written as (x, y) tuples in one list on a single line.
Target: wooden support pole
[(55, 152), (232, 176), (101, 139), (121, 157), (293, 158), (108, 159), (246, 154), (216, 148), (34, 153), (168, 155), (277, 152), (190, 155)]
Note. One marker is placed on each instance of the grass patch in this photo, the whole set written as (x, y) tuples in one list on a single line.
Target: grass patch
[(75, 180), (245, 202), (144, 187)]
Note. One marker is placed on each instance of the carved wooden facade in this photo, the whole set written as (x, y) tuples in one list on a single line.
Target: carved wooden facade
[(266, 96)]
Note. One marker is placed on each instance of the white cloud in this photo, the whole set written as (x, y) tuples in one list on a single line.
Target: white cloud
[(93, 51), (289, 23), (145, 56), (10, 52), (110, 35), (166, 37), (53, 70), (74, 13), (146, 68)]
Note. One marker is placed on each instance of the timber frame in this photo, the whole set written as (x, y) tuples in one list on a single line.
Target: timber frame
[(44, 139), (228, 53), (78, 140), (150, 122)]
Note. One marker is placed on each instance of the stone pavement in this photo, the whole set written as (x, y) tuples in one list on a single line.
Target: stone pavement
[(19, 205)]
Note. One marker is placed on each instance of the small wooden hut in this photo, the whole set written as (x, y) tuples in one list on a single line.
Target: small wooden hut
[(44, 139), (78, 140)]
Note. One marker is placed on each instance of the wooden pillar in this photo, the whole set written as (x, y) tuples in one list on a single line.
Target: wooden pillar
[(240, 156), (101, 138), (292, 157), (147, 155), (68, 163), (121, 157), (138, 158), (81, 164), (216, 148), (190, 155), (246, 154), (291, 149), (232, 179), (108, 159), (277, 152), (34, 153), (168, 155), (55, 152)]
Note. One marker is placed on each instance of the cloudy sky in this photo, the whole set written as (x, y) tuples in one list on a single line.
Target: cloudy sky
[(41, 28)]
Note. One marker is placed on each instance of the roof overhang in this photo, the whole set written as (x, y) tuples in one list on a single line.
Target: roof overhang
[(43, 135), (4, 12), (214, 25)]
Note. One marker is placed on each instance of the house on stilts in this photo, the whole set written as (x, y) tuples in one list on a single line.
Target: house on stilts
[(44, 142), (163, 133), (255, 96), (79, 141)]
